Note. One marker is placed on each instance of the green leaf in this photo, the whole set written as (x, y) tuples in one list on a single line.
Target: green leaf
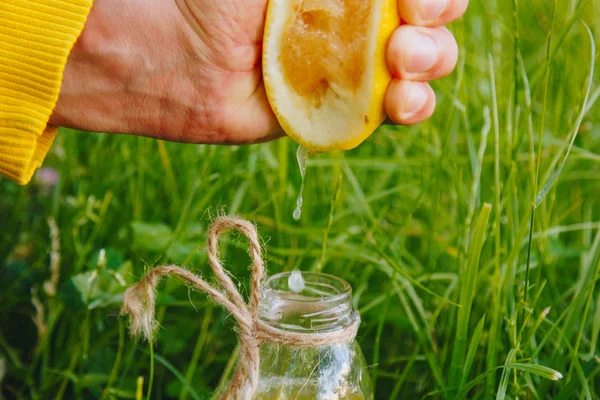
[(467, 293), (104, 300), (97, 288), (74, 292), (472, 350), (180, 252), (154, 237), (193, 231), (538, 370), (84, 284)]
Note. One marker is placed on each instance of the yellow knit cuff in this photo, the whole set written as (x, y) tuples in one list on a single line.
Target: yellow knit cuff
[(36, 38)]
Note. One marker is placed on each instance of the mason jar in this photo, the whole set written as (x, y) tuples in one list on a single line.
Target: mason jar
[(320, 303)]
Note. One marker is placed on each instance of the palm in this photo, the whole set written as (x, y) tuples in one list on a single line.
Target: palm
[(229, 51)]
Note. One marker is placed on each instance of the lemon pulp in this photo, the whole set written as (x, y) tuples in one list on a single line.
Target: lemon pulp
[(323, 47)]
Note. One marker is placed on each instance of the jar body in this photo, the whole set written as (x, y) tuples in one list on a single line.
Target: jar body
[(320, 305), (331, 372)]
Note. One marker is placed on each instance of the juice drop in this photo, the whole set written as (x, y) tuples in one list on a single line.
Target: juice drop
[(296, 281), (301, 155)]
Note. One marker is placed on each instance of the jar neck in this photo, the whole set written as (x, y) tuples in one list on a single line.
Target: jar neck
[(323, 304)]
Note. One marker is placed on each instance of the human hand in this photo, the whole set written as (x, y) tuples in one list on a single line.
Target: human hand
[(189, 70)]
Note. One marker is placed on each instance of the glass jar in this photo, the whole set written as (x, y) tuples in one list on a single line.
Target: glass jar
[(324, 304)]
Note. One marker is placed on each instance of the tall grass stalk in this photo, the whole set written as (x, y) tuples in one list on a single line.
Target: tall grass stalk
[(467, 294)]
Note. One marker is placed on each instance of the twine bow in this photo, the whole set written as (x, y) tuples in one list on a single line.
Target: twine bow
[(139, 301)]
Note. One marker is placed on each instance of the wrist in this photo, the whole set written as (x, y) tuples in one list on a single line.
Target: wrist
[(122, 69)]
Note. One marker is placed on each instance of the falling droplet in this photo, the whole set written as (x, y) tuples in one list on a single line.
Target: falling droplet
[(301, 155), (296, 281)]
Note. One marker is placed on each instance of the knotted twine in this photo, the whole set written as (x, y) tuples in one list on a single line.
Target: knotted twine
[(139, 301)]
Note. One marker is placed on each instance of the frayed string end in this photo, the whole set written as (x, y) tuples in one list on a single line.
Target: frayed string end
[(138, 304)]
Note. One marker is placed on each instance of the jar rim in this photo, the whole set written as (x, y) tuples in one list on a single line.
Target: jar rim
[(342, 287)]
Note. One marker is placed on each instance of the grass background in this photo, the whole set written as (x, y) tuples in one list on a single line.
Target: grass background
[(402, 218)]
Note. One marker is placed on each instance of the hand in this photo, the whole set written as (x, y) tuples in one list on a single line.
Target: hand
[(189, 70)]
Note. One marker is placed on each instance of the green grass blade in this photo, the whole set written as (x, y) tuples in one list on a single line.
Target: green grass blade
[(472, 350), (177, 375), (539, 370), (569, 392), (467, 294), (547, 372), (544, 106), (476, 187), (336, 196), (573, 135), (151, 373), (201, 340), (400, 381), (585, 386), (431, 357), (359, 193), (575, 302), (462, 394), (501, 393), (397, 268), (377, 345), (595, 328)]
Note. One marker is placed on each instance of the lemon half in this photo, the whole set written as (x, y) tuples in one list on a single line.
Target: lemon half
[(325, 70)]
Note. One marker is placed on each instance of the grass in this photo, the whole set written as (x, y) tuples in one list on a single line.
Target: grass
[(454, 304)]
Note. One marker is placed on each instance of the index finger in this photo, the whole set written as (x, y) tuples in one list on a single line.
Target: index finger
[(433, 13)]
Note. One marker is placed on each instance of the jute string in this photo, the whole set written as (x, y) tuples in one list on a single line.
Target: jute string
[(139, 301)]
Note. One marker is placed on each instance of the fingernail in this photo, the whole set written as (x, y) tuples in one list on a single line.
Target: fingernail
[(423, 54), (432, 9), (416, 100)]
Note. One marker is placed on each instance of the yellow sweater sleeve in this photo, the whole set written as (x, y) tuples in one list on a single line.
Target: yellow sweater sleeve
[(36, 37)]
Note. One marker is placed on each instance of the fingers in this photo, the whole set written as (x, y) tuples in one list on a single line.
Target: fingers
[(420, 51), (431, 12), (409, 103), (421, 54)]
